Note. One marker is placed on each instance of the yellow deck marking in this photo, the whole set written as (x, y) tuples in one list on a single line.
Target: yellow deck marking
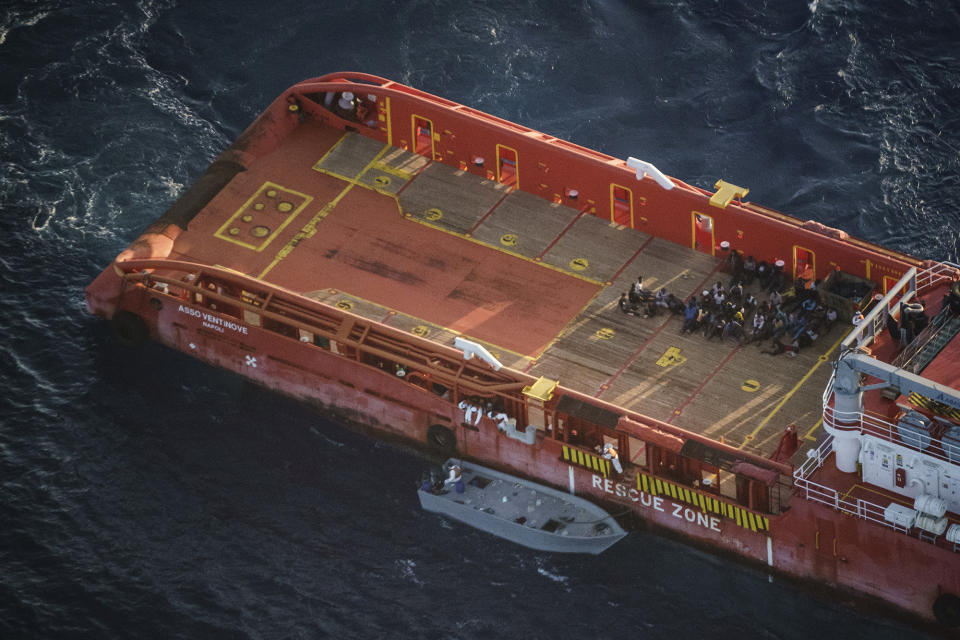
[(310, 228), (243, 223), (501, 249), (790, 393), (579, 264), (750, 386), (809, 434), (670, 357), (508, 240), (494, 349), (386, 168), (389, 125), (421, 330), (605, 334), (330, 150)]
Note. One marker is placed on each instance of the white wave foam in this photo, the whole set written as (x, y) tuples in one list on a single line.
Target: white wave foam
[(11, 22), (406, 571), (553, 576)]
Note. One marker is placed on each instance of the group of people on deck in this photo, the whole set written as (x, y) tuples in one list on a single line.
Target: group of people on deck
[(790, 320)]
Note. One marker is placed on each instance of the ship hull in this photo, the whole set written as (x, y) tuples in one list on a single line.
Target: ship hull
[(818, 546)]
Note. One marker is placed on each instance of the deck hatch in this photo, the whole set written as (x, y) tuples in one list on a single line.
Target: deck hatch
[(263, 216)]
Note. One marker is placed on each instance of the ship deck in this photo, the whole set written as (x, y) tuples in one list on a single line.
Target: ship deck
[(426, 248)]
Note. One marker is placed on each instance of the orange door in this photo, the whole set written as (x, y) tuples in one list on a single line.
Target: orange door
[(804, 264), (423, 136), (507, 166), (621, 205), (702, 233)]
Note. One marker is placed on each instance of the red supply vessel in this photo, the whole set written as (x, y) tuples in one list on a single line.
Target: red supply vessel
[(427, 271)]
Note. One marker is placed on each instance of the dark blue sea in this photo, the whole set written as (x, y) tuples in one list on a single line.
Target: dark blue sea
[(144, 495)]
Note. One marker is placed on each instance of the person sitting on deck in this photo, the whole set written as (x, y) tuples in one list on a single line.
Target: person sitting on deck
[(734, 264), (749, 270), (776, 299), (776, 277), (719, 297), (831, 317), (715, 326), (733, 329), (675, 304), (662, 297), (778, 347), (778, 327), (736, 293), (758, 330), (763, 273), (706, 300), (626, 306)]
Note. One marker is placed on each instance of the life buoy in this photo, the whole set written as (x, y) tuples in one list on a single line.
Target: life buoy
[(129, 328), (441, 438)]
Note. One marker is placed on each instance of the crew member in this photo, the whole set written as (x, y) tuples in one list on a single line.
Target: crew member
[(610, 453), (857, 320), (455, 478)]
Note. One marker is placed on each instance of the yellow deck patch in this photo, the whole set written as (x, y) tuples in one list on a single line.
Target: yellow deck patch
[(263, 216)]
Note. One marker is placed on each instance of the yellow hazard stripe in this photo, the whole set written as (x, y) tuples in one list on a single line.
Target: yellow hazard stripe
[(743, 517), (582, 459), (934, 406)]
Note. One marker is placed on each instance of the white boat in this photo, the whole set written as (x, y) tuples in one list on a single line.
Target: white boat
[(524, 512)]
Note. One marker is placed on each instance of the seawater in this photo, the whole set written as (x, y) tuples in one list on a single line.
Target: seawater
[(143, 494)]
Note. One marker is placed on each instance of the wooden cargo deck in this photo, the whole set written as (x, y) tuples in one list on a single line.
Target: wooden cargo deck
[(439, 252)]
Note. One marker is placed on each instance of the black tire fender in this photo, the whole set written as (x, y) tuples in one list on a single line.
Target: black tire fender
[(129, 328), (946, 609), (441, 439)]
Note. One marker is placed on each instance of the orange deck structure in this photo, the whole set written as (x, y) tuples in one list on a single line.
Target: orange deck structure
[(343, 249)]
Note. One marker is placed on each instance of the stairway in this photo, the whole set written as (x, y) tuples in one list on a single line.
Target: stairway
[(946, 333)]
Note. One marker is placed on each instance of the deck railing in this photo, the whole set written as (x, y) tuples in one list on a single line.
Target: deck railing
[(913, 284), (859, 508), (858, 422), (935, 274)]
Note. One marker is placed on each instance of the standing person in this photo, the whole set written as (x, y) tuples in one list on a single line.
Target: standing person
[(610, 453), (455, 479), (857, 320), (637, 290), (690, 316)]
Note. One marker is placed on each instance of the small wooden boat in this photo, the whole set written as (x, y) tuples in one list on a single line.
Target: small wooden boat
[(523, 512)]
